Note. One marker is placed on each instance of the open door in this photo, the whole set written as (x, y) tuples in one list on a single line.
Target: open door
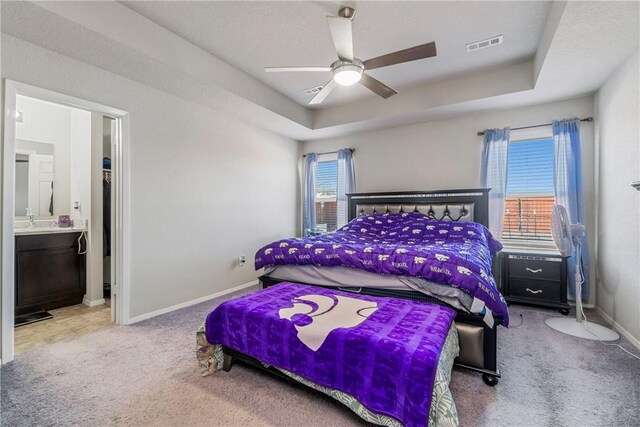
[(41, 184), (112, 275)]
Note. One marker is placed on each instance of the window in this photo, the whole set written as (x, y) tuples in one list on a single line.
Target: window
[(326, 202), (333, 177), (530, 192)]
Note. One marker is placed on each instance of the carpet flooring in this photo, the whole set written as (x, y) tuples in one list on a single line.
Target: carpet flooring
[(146, 374)]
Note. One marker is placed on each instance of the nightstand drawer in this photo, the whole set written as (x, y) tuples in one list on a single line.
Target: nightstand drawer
[(532, 268), (535, 289)]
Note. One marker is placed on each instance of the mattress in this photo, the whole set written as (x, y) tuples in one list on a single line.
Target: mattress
[(442, 412), (346, 277), (337, 277)]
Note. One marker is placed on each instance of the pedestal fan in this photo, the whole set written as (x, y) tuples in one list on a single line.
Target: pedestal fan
[(567, 236)]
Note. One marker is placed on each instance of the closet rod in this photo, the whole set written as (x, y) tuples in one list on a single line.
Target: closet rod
[(330, 152), (588, 119)]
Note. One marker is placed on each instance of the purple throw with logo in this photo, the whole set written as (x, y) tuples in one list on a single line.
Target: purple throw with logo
[(382, 351), (458, 254)]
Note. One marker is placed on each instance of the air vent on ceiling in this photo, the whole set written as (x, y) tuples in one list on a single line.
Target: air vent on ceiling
[(483, 44), (313, 90)]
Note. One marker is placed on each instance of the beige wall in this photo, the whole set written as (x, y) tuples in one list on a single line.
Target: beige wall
[(446, 154), (205, 187), (618, 204)]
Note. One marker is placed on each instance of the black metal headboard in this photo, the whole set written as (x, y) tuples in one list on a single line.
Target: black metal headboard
[(454, 205)]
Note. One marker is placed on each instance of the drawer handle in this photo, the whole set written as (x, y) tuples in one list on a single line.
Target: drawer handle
[(539, 270), (534, 292)]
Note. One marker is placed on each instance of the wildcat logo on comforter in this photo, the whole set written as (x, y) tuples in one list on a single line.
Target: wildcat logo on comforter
[(315, 316)]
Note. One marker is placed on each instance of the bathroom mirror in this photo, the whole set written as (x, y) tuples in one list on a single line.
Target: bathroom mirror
[(53, 158), (35, 179)]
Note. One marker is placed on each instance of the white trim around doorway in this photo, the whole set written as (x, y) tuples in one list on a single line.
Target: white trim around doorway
[(120, 158)]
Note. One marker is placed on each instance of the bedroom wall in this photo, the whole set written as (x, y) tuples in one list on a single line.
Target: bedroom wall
[(618, 204), (205, 187), (446, 154)]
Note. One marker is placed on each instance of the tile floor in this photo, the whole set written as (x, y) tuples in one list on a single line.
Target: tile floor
[(67, 323)]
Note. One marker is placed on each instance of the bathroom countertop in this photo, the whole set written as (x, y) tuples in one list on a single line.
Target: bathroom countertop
[(47, 230)]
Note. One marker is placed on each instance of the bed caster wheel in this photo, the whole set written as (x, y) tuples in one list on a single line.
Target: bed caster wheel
[(490, 380), (565, 311)]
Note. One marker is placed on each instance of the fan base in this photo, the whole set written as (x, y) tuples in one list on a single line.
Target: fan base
[(584, 329)]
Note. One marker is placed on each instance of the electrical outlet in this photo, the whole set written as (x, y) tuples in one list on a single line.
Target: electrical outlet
[(242, 260)]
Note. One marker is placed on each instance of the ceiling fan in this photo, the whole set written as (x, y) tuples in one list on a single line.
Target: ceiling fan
[(349, 70)]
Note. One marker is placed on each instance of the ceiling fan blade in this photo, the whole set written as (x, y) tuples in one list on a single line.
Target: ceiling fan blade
[(324, 92), (342, 36), (377, 86), (285, 69), (422, 51)]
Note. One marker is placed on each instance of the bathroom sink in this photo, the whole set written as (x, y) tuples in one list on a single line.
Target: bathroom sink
[(40, 226), (45, 224), (36, 224)]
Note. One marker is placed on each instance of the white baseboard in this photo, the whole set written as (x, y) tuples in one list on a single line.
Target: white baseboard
[(189, 303), (94, 303), (619, 328)]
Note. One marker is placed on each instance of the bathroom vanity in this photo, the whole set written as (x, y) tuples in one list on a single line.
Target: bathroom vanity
[(49, 271)]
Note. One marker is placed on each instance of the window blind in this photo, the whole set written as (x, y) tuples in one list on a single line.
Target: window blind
[(326, 191), (530, 192)]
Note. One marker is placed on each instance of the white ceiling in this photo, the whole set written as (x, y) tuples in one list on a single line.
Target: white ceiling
[(213, 54), (252, 35)]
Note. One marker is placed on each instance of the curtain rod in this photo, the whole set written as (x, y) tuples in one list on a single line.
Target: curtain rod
[(330, 152), (588, 119)]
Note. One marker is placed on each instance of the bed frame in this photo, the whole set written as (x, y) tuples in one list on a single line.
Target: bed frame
[(478, 342)]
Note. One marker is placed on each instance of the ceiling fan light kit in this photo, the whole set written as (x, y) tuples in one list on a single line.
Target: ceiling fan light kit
[(349, 70), (347, 73)]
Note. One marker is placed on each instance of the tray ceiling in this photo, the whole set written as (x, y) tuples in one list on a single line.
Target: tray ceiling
[(252, 35), (213, 54)]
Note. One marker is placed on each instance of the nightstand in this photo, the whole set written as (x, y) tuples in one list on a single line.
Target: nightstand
[(535, 277)]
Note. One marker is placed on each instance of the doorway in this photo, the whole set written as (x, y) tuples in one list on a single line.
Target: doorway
[(62, 203), (108, 208)]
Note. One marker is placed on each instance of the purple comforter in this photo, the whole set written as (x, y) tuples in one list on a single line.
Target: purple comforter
[(458, 254), (382, 351)]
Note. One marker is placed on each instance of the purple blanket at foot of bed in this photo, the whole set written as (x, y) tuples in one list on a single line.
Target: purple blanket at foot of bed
[(383, 351)]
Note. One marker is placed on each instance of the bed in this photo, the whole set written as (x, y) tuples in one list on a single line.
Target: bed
[(366, 352), (476, 326)]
